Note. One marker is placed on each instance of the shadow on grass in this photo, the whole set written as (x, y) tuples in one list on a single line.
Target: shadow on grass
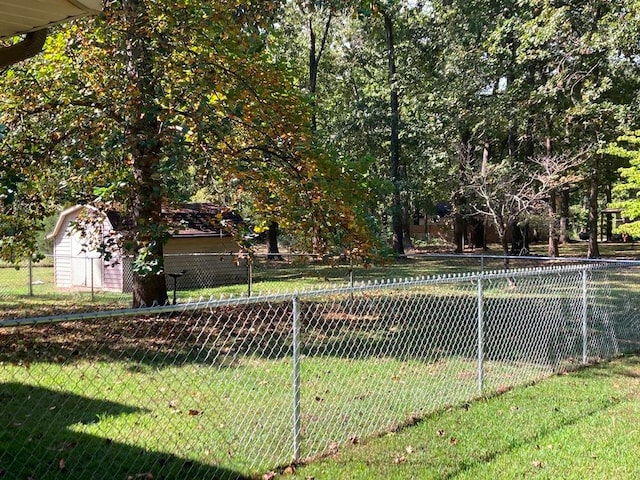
[(37, 442)]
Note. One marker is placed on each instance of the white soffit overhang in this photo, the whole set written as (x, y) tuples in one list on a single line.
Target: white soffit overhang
[(22, 16)]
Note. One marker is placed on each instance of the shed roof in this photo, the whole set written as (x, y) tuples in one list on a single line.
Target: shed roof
[(187, 220)]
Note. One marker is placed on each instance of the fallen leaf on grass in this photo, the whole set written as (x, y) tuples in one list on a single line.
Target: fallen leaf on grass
[(537, 464), (441, 433), (409, 449), (62, 464), (400, 459), (453, 441), (334, 447), (194, 412), (269, 476), (290, 470)]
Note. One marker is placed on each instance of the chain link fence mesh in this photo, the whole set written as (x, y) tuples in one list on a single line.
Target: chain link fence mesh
[(64, 284), (239, 387)]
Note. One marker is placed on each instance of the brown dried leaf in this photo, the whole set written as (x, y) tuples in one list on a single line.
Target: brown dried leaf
[(193, 412), (269, 476), (290, 470), (453, 441), (62, 464), (400, 459)]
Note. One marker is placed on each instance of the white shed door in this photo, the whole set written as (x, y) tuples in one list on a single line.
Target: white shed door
[(86, 267)]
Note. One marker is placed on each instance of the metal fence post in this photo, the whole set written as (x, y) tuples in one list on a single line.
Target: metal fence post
[(585, 304), (249, 276), (351, 273), (30, 277), (296, 379), (93, 295), (480, 301)]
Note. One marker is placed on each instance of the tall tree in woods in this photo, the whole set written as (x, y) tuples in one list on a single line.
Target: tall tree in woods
[(315, 18), (388, 14), (143, 150), (555, 87), (121, 108)]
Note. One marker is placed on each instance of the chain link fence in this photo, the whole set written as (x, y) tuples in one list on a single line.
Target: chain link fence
[(239, 387), (84, 283)]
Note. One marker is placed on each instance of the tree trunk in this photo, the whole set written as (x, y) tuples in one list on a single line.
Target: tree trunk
[(564, 216), (406, 228), (519, 239), (396, 172), (459, 199), (144, 149), (593, 251), (502, 234), (609, 225), (273, 252), (315, 54), (553, 250)]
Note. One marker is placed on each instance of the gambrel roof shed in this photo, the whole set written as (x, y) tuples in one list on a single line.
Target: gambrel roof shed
[(199, 231)]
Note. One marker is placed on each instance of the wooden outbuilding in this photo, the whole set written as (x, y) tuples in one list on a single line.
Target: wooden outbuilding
[(201, 251)]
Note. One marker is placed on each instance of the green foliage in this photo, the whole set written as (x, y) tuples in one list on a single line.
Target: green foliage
[(141, 107), (627, 190), (224, 106)]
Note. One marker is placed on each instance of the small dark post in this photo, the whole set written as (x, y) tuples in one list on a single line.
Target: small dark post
[(175, 277)]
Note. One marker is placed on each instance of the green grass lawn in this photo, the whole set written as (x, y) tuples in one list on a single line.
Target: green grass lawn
[(18, 300), (573, 426), (213, 394), (200, 422), (208, 393)]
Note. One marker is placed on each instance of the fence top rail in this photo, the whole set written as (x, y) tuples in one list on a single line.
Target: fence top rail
[(479, 256), (456, 256), (382, 284)]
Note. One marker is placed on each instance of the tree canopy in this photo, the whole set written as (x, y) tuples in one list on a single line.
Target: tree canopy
[(339, 121)]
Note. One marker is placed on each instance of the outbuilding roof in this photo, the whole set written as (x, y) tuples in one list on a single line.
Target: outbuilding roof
[(186, 220)]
